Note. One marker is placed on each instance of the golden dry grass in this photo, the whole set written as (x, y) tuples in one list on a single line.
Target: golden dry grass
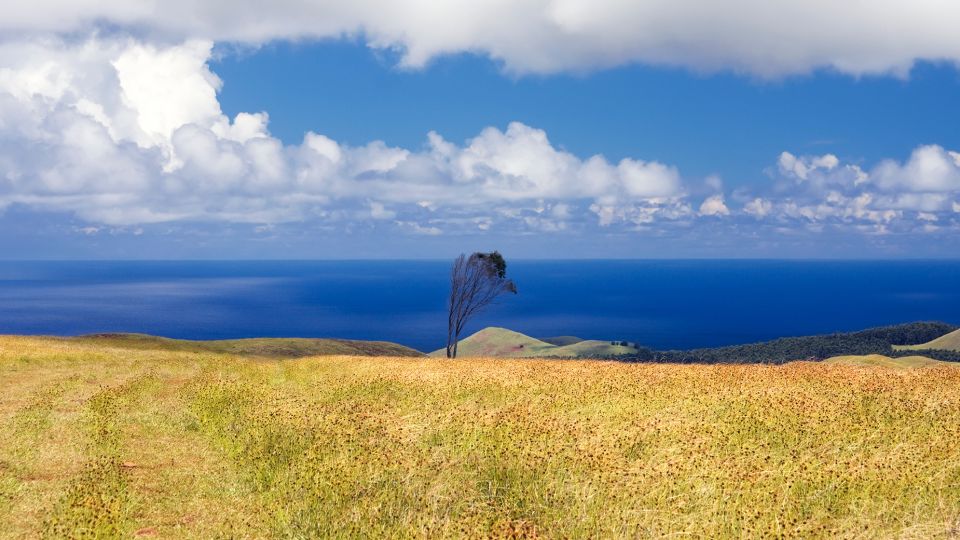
[(879, 360), (105, 442)]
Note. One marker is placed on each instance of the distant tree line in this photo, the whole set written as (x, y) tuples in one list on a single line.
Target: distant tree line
[(873, 341)]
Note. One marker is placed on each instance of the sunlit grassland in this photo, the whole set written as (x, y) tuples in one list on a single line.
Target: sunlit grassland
[(98, 441)]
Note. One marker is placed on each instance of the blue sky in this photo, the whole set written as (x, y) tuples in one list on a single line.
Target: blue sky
[(725, 123), (573, 130)]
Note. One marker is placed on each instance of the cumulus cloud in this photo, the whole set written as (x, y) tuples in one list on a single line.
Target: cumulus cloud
[(819, 172), (758, 207), (760, 37), (891, 196), (120, 132), (930, 169), (714, 206)]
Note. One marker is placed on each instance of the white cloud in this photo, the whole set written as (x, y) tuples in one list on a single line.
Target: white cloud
[(119, 132), (929, 169), (714, 206), (758, 207), (417, 228), (379, 211), (911, 195), (801, 168), (819, 171), (756, 36), (610, 213)]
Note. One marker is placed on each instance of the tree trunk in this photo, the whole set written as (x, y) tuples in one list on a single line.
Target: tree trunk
[(452, 342)]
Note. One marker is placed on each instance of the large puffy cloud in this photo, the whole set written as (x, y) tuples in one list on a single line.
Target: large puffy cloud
[(120, 132), (930, 169), (756, 36)]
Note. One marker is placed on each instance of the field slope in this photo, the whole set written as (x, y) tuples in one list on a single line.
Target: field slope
[(98, 441), (949, 342), (265, 347), (879, 360)]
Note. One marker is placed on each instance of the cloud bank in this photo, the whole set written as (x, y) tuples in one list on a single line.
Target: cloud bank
[(122, 132), (759, 37), (919, 194)]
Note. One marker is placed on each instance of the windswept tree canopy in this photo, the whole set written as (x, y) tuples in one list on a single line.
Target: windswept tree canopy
[(475, 282)]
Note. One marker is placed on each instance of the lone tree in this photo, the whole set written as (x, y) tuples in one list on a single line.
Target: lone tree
[(475, 282)]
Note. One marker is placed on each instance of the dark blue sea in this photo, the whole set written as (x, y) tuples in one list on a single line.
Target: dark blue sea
[(662, 304)]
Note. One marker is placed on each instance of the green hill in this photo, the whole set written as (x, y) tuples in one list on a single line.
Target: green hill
[(501, 343), (949, 342), (885, 361), (592, 348), (262, 347), (504, 343)]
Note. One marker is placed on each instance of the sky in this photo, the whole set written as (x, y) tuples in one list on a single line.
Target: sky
[(329, 129)]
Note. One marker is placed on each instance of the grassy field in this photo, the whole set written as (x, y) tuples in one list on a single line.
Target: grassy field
[(97, 439), (949, 342), (879, 360)]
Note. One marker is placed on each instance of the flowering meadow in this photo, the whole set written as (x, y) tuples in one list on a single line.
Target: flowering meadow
[(100, 441)]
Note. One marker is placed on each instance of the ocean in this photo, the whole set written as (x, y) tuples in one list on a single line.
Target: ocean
[(662, 304)]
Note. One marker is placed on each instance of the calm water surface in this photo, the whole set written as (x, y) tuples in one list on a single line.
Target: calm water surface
[(663, 304)]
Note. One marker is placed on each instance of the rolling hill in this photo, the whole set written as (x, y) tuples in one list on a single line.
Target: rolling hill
[(949, 342), (885, 361), (262, 347), (872, 341), (504, 343)]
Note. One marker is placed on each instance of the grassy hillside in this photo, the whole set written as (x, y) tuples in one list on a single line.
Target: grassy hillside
[(561, 341), (504, 343), (499, 342), (949, 342), (591, 348), (266, 347), (879, 340), (97, 441), (886, 361)]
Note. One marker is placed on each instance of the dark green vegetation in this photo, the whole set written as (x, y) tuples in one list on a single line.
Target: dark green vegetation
[(866, 342), (261, 347)]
